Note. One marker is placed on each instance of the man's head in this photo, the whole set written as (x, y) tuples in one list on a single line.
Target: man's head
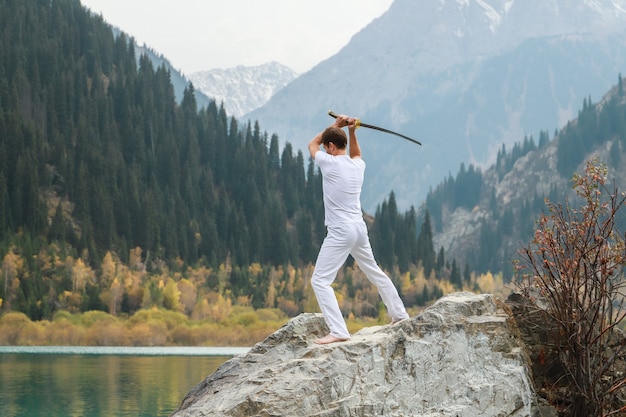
[(335, 136)]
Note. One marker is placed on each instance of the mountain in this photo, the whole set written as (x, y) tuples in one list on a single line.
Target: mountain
[(486, 220), (463, 77), (243, 89)]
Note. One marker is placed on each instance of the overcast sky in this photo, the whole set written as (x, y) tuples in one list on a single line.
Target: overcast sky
[(196, 35)]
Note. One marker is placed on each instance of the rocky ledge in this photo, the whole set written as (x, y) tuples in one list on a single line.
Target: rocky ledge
[(460, 357)]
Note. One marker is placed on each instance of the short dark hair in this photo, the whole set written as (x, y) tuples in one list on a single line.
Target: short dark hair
[(335, 135)]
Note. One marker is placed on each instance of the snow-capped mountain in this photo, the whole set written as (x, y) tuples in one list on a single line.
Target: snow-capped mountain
[(461, 76), (243, 89)]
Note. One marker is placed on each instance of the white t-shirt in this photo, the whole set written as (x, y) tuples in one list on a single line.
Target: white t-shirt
[(342, 178)]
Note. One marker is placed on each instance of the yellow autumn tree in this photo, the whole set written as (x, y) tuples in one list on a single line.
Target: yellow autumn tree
[(171, 296), (108, 270), (223, 275), (201, 310), (270, 298), (420, 283), (446, 287), (134, 259), (219, 307), (309, 302), (70, 301), (199, 276), (133, 286), (46, 259), (486, 283), (12, 266), (405, 282), (116, 292), (188, 295), (105, 281), (291, 274), (81, 274)]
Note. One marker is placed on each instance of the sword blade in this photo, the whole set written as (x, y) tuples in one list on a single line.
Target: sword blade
[(381, 129)]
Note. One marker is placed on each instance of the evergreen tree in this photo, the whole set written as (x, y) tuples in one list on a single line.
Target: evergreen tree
[(5, 214), (384, 234), (57, 227), (455, 276), (441, 261), (467, 273), (425, 248)]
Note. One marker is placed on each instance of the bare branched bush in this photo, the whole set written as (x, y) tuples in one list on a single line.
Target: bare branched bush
[(573, 270)]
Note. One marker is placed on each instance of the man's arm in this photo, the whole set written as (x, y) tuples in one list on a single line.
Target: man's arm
[(315, 144), (355, 149)]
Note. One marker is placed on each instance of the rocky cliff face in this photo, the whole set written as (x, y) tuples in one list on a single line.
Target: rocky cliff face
[(460, 357)]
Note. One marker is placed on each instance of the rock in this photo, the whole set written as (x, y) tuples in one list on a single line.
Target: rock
[(460, 357)]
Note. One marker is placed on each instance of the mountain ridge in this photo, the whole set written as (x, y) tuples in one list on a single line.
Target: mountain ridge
[(511, 199)]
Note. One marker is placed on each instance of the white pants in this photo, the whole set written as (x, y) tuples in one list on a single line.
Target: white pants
[(341, 241)]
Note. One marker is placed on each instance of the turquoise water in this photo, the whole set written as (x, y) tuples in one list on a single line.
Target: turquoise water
[(103, 381)]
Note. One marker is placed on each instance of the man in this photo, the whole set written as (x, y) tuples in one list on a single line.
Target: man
[(342, 178)]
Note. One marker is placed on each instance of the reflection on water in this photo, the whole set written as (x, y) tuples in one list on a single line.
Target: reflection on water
[(55, 385)]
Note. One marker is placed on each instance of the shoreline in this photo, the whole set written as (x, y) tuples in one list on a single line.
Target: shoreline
[(128, 350)]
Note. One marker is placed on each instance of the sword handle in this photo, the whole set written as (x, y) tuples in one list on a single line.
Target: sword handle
[(357, 122)]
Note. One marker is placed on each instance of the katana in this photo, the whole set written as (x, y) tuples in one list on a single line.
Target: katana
[(358, 124)]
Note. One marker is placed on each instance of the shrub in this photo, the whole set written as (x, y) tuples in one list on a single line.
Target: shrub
[(574, 270), (62, 332), (150, 333), (106, 333), (11, 326), (89, 318), (171, 319)]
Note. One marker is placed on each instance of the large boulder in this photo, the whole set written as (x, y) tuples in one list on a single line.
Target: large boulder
[(460, 357)]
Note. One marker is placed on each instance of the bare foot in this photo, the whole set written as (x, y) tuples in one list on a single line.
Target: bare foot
[(396, 321), (330, 339)]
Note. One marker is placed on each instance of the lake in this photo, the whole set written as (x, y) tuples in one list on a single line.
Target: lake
[(102, 381)]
